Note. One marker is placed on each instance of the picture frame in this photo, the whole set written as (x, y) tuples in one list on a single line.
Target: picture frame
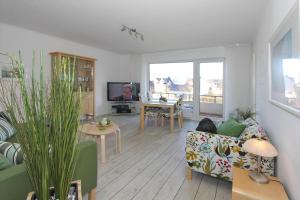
[(284, 64), (8, 72)]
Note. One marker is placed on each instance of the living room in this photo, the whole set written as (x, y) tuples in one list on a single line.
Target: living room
[(124, 41)]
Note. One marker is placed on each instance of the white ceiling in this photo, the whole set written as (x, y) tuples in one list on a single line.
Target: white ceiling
[(166, 24)]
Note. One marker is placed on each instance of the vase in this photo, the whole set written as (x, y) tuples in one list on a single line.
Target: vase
[(74, 193)]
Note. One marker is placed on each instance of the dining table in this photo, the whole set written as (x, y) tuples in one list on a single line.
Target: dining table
[(157, 104)]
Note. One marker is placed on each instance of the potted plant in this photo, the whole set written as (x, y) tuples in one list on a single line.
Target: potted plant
[(46, 119), (247, 113), (64, 115)]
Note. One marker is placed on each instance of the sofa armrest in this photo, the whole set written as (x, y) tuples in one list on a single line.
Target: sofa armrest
[(86, 166), (14, 183)]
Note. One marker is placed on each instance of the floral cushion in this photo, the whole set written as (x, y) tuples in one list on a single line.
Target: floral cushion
[(215, 155), (254, 131), (249, 122)]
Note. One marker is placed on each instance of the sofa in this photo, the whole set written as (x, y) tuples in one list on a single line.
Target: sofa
[(15, 183), (215, 154)]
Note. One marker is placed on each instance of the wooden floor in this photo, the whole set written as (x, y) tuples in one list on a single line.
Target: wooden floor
[(152, 166)]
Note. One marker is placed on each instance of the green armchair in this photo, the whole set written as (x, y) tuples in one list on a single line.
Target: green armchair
[(15, 183)]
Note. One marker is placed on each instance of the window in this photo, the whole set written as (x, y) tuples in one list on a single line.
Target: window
[(284, 65), (171, 80)]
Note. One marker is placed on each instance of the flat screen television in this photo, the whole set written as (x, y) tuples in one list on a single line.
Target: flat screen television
[(123, 91)]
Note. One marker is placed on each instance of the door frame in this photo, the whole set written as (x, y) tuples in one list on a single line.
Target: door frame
[(196, 97)]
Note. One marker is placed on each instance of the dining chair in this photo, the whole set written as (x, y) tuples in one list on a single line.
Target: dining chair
[(178, 113), (151, 113)]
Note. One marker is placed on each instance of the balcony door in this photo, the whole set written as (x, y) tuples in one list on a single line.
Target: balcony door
[(211, 85)]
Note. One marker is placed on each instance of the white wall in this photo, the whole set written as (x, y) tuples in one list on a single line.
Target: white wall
[(114, 67), (282, 127), (130, 68), (13, 39), (211, 108), (238, 60), (238, 84)]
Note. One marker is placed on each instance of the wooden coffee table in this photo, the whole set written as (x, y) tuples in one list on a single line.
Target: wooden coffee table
[(94, 130)]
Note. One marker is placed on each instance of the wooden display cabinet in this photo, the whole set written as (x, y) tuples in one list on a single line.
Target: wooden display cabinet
[(84, 80)]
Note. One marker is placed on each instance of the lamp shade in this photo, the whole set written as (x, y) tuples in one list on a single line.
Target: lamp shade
[(260, 147)]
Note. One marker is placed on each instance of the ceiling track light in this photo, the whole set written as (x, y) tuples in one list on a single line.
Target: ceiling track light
[(132, 32)]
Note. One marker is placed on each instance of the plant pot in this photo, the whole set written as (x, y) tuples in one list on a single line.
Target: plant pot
[(77, 191)]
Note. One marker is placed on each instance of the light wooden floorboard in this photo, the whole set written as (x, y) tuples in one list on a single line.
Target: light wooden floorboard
[(152, 166), (174, 182), (207, 189), (189, 188), (139, 182), (151, 187), (222, 190), (111, 189), (131, 162)]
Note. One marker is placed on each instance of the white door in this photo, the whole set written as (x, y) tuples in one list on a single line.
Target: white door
[(211, 88)]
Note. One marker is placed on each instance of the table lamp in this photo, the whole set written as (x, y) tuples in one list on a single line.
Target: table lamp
[(260, 148)]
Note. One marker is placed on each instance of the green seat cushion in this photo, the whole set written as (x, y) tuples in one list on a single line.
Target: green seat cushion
[(4, 162), (231, 128)]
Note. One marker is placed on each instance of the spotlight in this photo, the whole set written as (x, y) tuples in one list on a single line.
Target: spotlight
[(132, 31)]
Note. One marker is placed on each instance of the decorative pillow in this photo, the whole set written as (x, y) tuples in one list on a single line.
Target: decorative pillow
[(206, 125), (231, 128), (4, 162), (254, 131), (6, 129), (12, 151), (249, 122)]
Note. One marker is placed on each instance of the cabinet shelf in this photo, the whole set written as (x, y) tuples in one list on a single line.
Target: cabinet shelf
[(84, 72)]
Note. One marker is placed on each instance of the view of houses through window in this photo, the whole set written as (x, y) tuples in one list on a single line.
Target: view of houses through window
[(211, 82), (173, 79), (211, 88)]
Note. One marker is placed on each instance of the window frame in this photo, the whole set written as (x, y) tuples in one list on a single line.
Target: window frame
[(167, 62), (196, 80)]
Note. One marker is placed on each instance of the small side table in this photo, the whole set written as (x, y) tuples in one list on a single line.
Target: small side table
[(243, 188), (92, 130)]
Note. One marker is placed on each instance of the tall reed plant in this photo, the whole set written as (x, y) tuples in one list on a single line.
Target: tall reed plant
[(64, 104), (46, 119), (25, 101)]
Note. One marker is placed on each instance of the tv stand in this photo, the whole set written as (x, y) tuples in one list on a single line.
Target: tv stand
[(125, 108)]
